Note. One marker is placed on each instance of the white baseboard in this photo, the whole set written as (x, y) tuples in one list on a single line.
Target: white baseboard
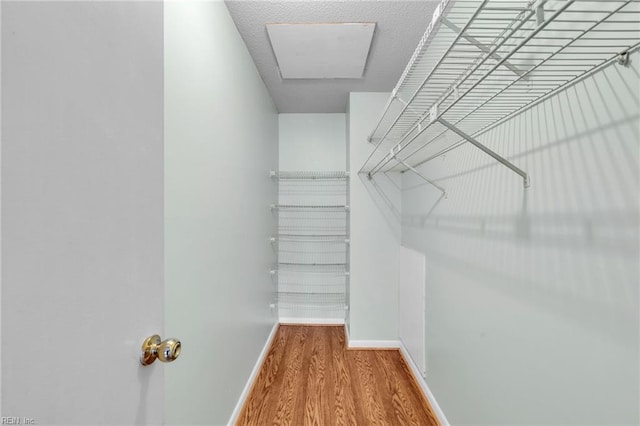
[(423, 385), (374, 344), (370, 344), (313, 321), (253, 376)]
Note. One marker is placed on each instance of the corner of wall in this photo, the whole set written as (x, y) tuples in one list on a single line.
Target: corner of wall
[(374, 245)]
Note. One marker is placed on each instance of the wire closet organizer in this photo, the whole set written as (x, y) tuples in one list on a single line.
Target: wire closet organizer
[(480, 62), (312, 268)]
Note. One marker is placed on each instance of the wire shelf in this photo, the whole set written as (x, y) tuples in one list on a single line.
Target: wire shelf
[(311, 268), (310, 238), (307, 255), (331, 283), (317, 249), (313, 226), (313, 265), (313, 191), (311, 301), (484, 61), (306, 175), (303, 207)]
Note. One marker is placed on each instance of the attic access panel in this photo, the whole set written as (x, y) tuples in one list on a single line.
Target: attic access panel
[(321, 51)]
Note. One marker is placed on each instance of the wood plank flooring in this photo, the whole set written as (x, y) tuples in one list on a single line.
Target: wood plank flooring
[(310, 378)]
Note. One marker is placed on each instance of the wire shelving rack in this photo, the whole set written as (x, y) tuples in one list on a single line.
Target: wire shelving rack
[(312, 269), (480, 62)]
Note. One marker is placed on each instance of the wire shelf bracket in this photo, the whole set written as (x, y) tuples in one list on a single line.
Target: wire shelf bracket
[(487, 151), (623, 58)]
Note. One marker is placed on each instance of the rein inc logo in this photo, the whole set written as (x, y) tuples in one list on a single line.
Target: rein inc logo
[(17, 421)]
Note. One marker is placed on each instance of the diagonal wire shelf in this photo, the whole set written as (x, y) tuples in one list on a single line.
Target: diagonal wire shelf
[(483, 61)]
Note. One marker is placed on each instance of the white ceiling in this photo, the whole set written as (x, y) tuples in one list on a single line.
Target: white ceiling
[(400, 25), (321, 50)]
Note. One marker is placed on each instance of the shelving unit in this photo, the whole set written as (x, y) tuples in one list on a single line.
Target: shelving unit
[(482, 61), (312, 270)]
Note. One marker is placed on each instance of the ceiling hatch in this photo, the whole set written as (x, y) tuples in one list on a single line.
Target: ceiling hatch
[(320, 51)]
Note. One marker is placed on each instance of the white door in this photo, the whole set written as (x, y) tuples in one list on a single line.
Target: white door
[(82, 211), (95, 258)]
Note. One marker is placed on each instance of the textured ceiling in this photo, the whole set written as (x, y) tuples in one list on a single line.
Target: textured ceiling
[(400, 25)]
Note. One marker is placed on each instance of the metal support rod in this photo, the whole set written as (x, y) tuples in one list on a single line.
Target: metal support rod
[(477, 43), (487, 151), (444, 192)]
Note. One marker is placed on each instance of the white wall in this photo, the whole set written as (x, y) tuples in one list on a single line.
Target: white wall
[(375, 222), (221, 133), (82, 279), (532, 294), (312, 142)]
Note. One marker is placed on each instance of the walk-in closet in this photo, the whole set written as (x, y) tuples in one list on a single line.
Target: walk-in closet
[(314, 212)]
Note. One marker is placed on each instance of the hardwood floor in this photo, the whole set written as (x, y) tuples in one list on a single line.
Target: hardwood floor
[(310, 378)]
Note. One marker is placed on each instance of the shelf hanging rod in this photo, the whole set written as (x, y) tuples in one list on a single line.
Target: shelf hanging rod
[(487, 151)]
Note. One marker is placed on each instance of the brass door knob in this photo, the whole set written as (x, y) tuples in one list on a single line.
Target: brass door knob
[(164, 350)]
